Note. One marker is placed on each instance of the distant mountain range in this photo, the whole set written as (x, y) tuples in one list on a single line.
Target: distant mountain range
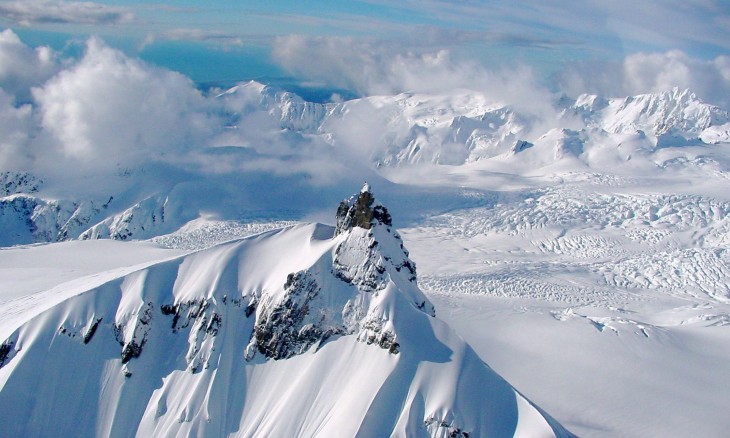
[(387, 132)]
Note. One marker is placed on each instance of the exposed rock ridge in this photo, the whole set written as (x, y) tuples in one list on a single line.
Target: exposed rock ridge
[(361, 211), (369, 269)]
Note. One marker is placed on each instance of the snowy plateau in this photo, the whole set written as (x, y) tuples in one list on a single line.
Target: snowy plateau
[(581, 250)]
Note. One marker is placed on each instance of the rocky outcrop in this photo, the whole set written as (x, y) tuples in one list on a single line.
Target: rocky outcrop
[(7, 351), (284, 329), (131, 333), (368, 258), (361, 211)]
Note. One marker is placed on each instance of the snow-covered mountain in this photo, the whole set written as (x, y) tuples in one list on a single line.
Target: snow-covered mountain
[(466, 126), (290, 110), (270, 129), (305, 331), (668, 116)]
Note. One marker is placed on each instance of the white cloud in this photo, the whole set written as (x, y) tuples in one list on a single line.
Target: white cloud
[(21, 66), (109, 109), (653, 72), (16, 124), (662, 71), (107, 112), (47, 11), (213, 36), (377, 67), (590, 24)]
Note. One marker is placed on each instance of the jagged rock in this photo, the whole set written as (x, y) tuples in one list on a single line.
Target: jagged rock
[(92, 329), (443, 428), (132, 334), (367, 259), (185, 312), (7, 351), (284, 330), (361, 211)]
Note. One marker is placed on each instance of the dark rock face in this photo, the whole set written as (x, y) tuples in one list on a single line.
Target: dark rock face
[(139, 327), (282, 333), (316, 304), (365, 262), (92, 329), (6, 352), (359, 211), (185, 312)]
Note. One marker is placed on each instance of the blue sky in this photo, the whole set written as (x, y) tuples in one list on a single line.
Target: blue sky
[(231, 40)]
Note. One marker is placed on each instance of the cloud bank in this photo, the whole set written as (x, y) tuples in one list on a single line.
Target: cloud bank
[(642, 73), (378, 67), (108, 111), (198, 35), (27, 12)]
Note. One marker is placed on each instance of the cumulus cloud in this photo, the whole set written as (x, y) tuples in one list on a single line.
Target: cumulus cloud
[(109, 108), (16, 124), (376, 67), (105, 113), (650, 73), (22, 67), (70, 12)]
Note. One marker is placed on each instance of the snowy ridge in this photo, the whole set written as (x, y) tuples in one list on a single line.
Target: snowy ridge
[(27, 218), (466, 129), (142, 220), (292, 112), (294, 332), (676, 112)]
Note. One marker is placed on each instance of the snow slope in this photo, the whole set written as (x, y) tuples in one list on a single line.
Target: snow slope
[(304, 331)]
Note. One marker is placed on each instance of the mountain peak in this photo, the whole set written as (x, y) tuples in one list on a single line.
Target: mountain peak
[(362, 211), (294, 332)]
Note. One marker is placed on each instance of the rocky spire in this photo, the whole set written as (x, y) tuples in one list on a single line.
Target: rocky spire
[(361, 211)]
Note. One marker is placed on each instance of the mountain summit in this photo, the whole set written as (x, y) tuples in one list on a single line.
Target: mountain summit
[(305, 331)]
